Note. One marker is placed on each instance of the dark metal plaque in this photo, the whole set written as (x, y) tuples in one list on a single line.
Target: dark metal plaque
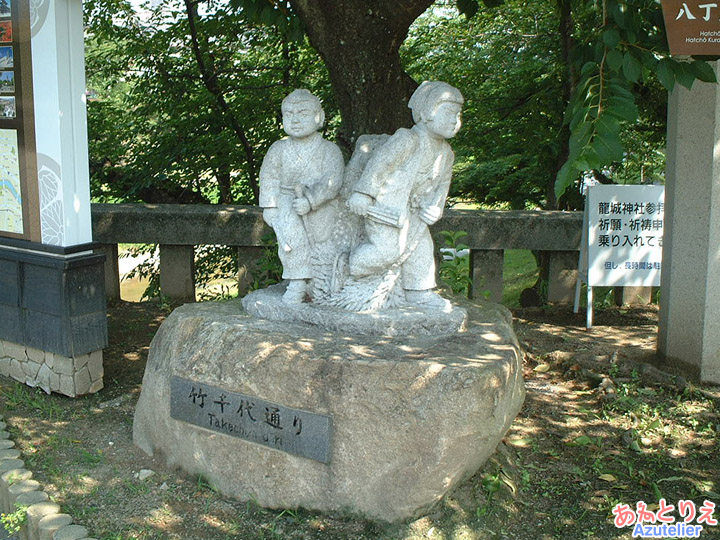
[(290, 430)]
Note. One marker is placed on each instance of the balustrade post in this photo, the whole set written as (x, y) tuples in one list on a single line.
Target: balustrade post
[(633, 295), (177, 272), (486, 273), (112, 271), (563, 276), (248, 257)]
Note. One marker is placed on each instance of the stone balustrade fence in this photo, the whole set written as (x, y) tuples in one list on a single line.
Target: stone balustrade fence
[(177, 229)]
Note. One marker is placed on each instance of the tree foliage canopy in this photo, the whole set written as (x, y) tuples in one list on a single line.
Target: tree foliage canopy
[(186, 98), (624, 53), (183, 105)]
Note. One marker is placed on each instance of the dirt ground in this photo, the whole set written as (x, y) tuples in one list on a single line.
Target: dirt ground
[(599, 426)]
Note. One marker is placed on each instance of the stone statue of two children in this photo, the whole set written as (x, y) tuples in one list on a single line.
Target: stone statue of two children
[(357, 237)]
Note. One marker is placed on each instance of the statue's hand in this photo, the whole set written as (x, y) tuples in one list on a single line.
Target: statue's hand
[(431, 214), (301, 206), (358, 203), (269, 215)]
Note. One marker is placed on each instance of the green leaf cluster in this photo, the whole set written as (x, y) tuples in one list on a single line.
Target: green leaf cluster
[(273, 13)]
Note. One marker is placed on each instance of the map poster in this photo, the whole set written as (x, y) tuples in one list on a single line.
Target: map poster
[(625, 235), (11, 209)]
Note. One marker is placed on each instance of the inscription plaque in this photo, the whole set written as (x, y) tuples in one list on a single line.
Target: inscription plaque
[(256, 420)]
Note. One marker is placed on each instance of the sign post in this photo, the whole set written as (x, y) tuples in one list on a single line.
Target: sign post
[(622, 239), (52, 301)]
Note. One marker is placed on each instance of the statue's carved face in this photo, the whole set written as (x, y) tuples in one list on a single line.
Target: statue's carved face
[(301, 119), (445, 120)]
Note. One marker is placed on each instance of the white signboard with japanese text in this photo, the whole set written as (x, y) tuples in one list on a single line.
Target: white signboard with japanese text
[(625, 235)]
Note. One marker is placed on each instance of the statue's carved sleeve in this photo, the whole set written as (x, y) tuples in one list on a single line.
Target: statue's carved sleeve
[(332, 169), (270, 176), (438, 195)]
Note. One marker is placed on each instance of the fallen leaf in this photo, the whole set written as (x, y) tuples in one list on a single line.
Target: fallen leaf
[(582, 440), (671, 479), (523, 442), (509, 483)]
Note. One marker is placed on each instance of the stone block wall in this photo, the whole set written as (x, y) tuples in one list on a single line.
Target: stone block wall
[(70, 376)]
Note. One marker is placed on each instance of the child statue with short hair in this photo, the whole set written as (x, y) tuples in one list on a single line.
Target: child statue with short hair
[(300, 178)]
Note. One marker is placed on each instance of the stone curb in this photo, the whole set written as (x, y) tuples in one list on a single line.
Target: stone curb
[(44, 520)]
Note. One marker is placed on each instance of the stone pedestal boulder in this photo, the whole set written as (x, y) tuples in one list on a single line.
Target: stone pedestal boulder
[(292, 415)]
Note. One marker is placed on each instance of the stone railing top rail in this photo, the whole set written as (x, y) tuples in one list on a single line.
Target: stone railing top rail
[(176, 224)]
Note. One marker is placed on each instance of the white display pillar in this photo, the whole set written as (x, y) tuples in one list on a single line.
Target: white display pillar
[(52, 299), (58, 68), (689, 337)]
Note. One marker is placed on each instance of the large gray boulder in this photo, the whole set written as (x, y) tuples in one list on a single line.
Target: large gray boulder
[(410, 416)]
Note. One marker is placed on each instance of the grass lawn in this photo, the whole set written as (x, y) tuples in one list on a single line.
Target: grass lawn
[(520, 271)]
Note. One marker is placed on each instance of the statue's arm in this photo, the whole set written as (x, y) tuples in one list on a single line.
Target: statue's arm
[(331, 174), (434, 204)]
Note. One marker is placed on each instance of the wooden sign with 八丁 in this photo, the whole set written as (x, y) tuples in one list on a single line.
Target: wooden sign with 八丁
[(692, 26)]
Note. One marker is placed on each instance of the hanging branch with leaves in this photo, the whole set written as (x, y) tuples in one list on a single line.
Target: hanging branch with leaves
[(628, 49), (625, 49)]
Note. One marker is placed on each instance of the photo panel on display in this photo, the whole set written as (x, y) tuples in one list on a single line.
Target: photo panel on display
[(7, 107), (7, 82), (7, 58), (5, 9), (6, 34)]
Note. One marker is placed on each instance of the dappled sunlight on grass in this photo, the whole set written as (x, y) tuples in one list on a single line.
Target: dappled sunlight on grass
[(595, 429)]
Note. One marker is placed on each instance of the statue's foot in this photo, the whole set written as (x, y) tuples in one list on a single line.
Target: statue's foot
[(296, 291), (426, 298)]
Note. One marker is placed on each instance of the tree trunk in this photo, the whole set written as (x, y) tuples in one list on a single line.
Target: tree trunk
[(360, 42), (566, 45), (536, 294), (208, 74)]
